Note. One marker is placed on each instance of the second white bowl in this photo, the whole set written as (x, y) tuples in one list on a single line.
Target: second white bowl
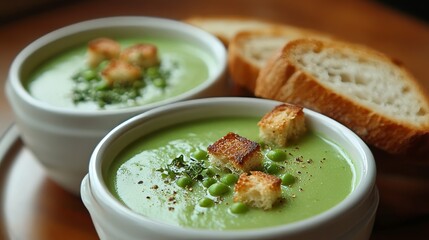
[(61, 138)]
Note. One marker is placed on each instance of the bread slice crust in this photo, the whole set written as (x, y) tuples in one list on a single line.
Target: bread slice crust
[(225, 27), (285, 79)]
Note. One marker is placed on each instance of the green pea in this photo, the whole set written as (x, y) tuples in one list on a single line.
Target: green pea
[(200, 154), (206, 202), (276, 155), (184, 182), (102, 86), (103, 65), (209, 172), (272, 168), (159, 82), (218, 189), (288, 179), (238, 208), (229, 179), (152, 72), (89, 74), (208, 182)]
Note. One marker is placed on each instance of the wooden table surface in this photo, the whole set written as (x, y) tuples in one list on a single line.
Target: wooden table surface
[(39, 209)]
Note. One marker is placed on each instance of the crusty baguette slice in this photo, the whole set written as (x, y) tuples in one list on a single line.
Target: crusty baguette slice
[(249, 50), (362, 88), (225, 27)]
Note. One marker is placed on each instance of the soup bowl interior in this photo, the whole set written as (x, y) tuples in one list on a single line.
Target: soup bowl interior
[(352, 217), (81, 33), (62, 138)]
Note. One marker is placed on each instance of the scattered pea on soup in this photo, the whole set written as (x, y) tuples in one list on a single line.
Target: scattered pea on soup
[(168, 176)]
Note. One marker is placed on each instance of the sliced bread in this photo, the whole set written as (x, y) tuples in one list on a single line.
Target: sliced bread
[(225, 27), (364, 89), (249, 50)]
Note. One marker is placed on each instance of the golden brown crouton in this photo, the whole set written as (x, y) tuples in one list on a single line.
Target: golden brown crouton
[(119, 72), (101, 49), (236, 153), (142, 55), (257, 189), (284, 123)]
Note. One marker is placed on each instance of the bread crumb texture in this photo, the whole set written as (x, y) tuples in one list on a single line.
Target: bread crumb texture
[(257, 49), (369, 77), (258, 189), (285, 123)]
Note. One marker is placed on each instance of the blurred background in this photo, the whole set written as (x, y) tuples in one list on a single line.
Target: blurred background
[(397, 28), (10, 10)]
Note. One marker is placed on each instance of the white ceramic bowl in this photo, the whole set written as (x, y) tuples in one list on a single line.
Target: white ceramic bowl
[(62, 138), (351, 219)]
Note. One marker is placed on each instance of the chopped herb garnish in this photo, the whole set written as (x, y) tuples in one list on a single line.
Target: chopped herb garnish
[(192, 168), (89, 86)]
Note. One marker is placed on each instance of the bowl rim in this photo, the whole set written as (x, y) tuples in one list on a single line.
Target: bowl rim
[(99, 190), (165, 24)]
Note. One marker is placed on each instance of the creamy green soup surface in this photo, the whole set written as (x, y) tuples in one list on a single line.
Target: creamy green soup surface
[(187, 67), (323, 173)]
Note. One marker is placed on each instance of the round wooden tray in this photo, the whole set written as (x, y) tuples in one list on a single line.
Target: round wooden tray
[(34, 207)]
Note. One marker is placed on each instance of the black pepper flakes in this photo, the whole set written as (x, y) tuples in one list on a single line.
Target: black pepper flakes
[(140, 182), (154, 187)]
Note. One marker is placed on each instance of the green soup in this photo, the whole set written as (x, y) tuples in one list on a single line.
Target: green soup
[(323, 174), (188, 67)]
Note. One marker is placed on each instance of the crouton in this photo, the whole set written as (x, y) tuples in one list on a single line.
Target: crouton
[(286, 122), (257, 189), (236, 153), (101, 49), (122, 73), (141, 55)]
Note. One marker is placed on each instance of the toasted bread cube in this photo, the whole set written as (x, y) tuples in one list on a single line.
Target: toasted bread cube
[(101, 49), (122, 73), (284, 123), (142, 55), (258, 189), (236, 153)]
